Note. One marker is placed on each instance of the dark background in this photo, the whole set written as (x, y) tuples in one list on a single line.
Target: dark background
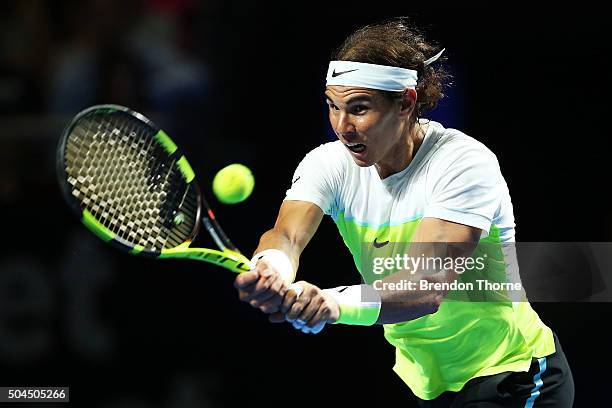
[(243, 82)]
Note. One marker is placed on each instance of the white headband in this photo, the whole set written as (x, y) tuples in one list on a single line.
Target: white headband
[(373, 76)]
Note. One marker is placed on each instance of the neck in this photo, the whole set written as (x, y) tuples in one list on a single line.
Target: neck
[(403, 153)]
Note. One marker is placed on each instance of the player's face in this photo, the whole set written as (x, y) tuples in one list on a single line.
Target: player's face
[(366, 122)]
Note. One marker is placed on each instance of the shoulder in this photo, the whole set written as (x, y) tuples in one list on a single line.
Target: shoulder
[(455, 148), (318, 177)]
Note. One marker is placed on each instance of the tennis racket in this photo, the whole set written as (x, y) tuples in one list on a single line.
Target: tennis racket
[(132, 187)]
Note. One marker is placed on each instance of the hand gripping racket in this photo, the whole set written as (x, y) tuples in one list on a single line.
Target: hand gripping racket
[(132, 187)]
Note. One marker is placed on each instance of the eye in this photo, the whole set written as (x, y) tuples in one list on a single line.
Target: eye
[(332, 106), (359, 109)]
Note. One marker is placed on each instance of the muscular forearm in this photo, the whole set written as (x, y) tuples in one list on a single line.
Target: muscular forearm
[(295, 225)]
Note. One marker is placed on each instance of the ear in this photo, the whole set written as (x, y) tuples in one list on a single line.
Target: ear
[(408, 102)]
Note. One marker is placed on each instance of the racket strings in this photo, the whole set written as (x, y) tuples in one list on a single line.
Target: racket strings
[(124, 177)]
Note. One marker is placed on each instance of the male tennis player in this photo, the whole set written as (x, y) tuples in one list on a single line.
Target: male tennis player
[(393, 178)]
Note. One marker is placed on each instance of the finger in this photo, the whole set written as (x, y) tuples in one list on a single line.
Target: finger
[(279, 286), (247, 294), (274, 286), (320, 316), (297, 287), (271, 305), (272, 283), (293, 293), (277, 318), (261, 298), (297, 308), (259, 290), (257, 302), (264, 269), (262, 285), (246, 279), (288, 301), (309, 311)]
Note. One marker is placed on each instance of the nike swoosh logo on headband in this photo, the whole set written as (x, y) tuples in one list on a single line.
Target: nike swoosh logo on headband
[(335, 74)]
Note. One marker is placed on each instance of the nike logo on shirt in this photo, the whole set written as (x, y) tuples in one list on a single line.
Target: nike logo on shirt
[(379, 244)]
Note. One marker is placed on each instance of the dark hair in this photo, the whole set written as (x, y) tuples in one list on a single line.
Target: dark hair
[(394, 43)]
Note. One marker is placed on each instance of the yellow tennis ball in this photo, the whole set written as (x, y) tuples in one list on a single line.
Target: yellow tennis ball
[(233, 184)]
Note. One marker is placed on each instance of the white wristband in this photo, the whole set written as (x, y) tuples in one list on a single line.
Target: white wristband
[(359, 304), (278, 260)]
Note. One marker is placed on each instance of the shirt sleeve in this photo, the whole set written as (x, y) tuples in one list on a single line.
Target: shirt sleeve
[(316, 179), (467, 190)]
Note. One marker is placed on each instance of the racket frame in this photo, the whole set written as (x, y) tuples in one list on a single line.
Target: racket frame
[(228, 255)]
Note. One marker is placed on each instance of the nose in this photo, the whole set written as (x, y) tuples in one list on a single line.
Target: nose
[(344, 126)]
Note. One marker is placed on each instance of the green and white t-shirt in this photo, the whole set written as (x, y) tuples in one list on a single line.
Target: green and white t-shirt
[(452, 177)]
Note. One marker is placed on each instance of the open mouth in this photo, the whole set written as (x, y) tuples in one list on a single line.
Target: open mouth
[(356, 147)]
